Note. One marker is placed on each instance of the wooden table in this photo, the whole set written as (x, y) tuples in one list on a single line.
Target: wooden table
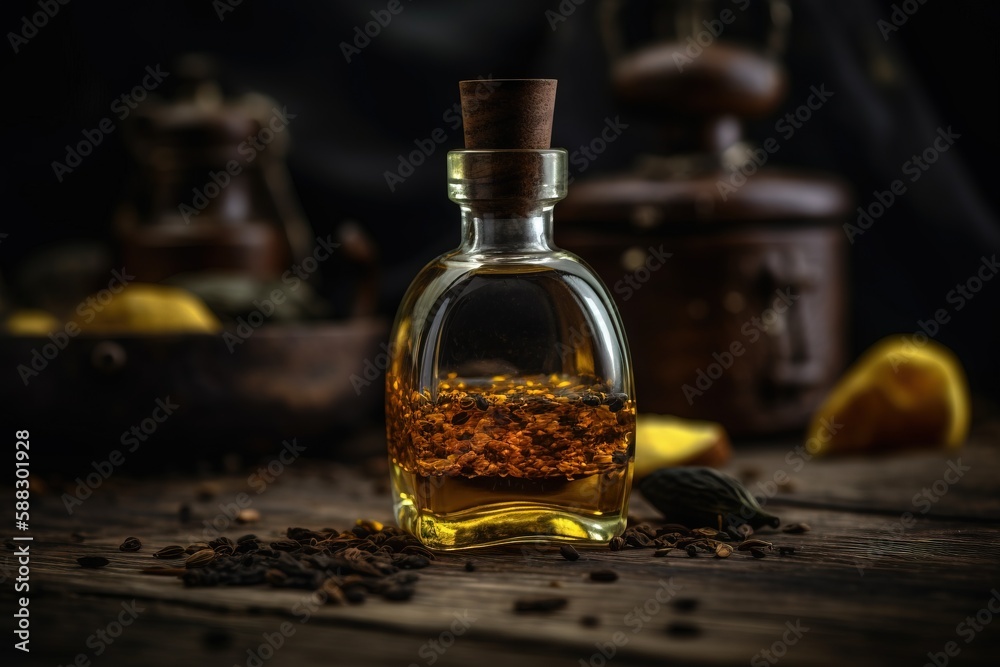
[(866, 586)]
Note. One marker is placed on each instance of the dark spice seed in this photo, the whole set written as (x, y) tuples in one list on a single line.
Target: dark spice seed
[(482, 403), (92, 561), (246, 538), (746, 545), (568, 552), (539, 605), (617, 543), (200, 558), (217, 640), (467, 403), (796, 528), (412, 562), (685, 604), (692, 550), (591, 400), (173, 551), (460, 418), (723, 550), (604, 575), (638, 540), (786, 551), (418, 550), (616, 404), (130, 544), (470, 566), (683, 630), (757, 552), (355, 594), (398, 593)]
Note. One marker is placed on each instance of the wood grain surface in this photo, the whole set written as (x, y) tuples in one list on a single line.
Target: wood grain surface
[(865, 586)]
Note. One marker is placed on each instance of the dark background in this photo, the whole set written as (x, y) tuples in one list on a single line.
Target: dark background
[(938, 70)]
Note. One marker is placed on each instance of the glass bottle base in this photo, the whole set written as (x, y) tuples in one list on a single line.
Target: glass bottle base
[(458, 512)]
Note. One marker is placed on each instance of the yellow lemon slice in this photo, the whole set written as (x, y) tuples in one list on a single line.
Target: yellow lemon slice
[(662, 441), (898, 394), (30, 322), (146, 308)]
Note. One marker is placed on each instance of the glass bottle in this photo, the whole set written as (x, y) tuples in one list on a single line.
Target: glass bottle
[(509, 399)]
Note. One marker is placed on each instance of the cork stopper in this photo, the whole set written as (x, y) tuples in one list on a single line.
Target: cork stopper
[(508, 113)]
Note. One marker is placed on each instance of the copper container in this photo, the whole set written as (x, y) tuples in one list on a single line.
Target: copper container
[(729, 273)]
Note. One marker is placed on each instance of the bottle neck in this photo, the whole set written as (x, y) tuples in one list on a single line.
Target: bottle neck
[(490, 231)]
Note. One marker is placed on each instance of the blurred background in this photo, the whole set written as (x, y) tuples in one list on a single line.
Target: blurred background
[(324, 129)]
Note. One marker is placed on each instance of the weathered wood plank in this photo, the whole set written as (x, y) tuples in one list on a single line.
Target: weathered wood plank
[(869, 592)]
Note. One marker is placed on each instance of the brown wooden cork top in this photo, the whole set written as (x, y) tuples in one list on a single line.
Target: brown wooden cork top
[(507, 113)]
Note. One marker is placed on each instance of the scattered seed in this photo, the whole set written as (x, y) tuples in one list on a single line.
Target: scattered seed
[(591, 400), (130, 544), (217, 640), (92, 561), (757, 552), (617, 543), (460, 418), (398, 593), (746, 545), (723, 550), (786, 551), (568, 552), (692, 550), (638, 540), (683, 630), (525, 605), (200, 558), (333, 593), (173, 551), (685, 604), (796, 528), (615, 404), (604, 575), (470, 566), (248, 515), (659, 553), (481, 402)]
